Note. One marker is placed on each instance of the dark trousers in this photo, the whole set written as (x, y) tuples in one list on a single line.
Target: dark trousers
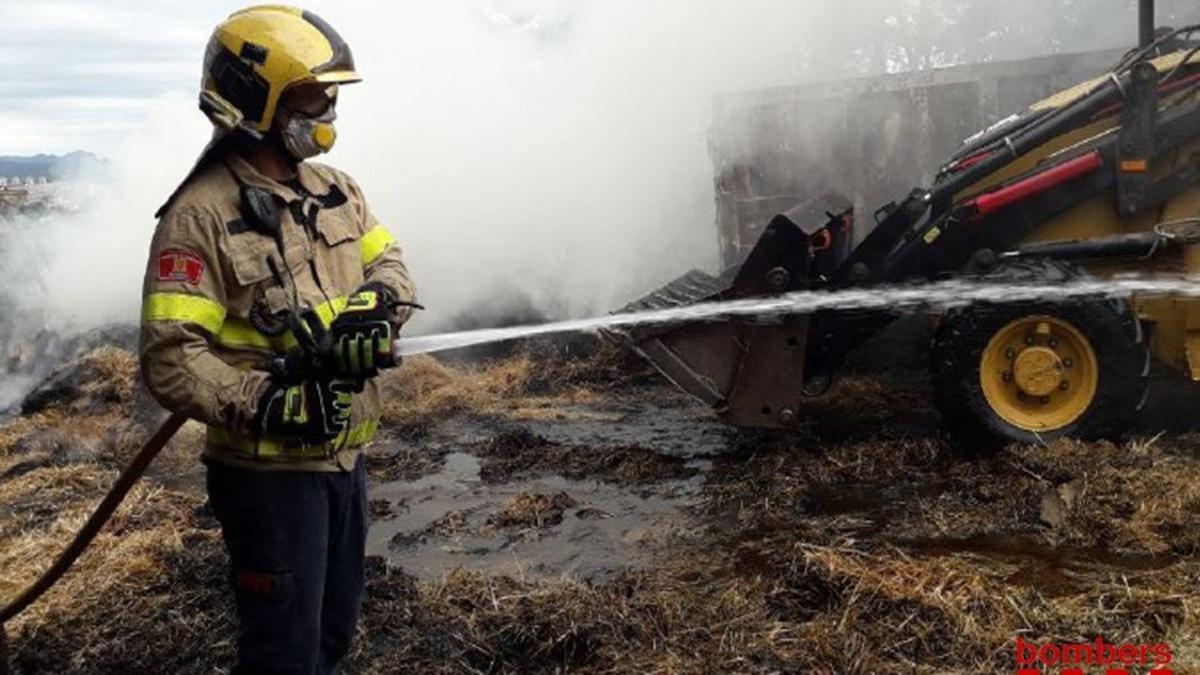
[(296, 546)]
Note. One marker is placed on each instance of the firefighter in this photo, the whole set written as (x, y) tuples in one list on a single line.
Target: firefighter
[(261, 254)]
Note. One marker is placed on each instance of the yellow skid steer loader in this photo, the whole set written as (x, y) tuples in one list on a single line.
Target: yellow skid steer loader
[(1101, 179)]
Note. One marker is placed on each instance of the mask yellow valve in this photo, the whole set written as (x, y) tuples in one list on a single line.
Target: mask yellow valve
[(324, 135)]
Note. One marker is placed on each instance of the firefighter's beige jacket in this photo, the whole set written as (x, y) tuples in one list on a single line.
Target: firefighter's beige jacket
[(209, 273)]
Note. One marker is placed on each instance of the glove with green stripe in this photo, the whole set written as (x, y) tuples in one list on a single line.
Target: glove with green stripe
[(315, 411), (362, 334)]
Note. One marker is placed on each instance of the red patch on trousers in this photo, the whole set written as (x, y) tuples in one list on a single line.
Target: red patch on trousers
[(255, 582), (177, 264)]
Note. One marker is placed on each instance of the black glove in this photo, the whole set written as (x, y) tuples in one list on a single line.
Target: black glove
[(315, 411), (362, 334)]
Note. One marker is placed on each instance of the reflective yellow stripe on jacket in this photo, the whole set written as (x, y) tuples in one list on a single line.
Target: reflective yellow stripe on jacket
[(231, 331), (375, 243), (197, 309), (240, 333), (237, 332), (272, 447)]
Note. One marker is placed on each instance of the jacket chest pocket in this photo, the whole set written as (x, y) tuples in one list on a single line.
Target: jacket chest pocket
[(262, 280), (338, 252)]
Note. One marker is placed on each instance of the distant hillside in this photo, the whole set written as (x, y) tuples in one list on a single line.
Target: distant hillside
[(51, 166)]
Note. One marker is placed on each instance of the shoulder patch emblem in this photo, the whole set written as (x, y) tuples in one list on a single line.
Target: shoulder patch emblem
[(177, 264)]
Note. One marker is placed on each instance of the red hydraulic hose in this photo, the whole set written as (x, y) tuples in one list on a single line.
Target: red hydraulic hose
[(1023, 189)]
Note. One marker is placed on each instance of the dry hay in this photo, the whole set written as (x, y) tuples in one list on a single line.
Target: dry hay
[(801, 608), (597, 363), (772, 586), (858, 408), (103, 377), (138, 598), (1138, 496), (804, 608), (524, 386), (874, 596), (424, 389), (533, 510), (893, 610), (907, 613), (96, 411), (680, 618), (448, 526), (54, 467), (15, 430)]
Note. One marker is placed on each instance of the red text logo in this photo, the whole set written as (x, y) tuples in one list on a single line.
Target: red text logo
[(1088, 657)]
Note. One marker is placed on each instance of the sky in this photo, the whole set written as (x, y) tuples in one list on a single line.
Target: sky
[(80, 74), (540, 153), (550, 154)]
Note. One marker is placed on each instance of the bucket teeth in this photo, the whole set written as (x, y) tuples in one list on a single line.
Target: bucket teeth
[(751, 373), (693, 287)]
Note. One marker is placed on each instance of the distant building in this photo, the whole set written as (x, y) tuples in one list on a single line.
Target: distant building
[(869, 140)]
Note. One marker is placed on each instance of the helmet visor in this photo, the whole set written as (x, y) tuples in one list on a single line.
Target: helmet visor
[(310, 99)]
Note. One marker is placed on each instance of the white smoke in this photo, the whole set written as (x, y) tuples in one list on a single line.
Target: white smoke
[(555, 150), (551, 151), (91, 263)]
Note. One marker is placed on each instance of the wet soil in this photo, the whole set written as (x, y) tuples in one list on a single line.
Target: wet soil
[(618, 478), (545, 526), (646, 469), (1026, 562), (601, 528)]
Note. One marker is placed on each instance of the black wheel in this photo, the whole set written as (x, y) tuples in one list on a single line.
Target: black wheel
[(1025, 372)]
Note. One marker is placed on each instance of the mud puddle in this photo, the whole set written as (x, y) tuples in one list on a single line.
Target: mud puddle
[(880, 513), (867, 510), (673, 426), (878, 501), (1054, 570), (545, 526)]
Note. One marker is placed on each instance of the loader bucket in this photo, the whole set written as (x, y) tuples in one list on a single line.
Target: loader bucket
[(750, 369)]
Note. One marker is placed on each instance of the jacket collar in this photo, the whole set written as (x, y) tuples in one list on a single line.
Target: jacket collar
[(246, 174)]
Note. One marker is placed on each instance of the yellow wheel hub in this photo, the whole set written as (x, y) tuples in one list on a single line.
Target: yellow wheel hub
[(1039, 373)]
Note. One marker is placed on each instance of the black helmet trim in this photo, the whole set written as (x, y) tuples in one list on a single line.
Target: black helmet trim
[(342, 59), (254, 53), (237, 82)]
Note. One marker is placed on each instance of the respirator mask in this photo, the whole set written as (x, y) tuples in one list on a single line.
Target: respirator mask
[(309, 129)]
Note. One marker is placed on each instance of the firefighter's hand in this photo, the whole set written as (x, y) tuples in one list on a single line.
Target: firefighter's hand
[(315, 411), (362, 334)]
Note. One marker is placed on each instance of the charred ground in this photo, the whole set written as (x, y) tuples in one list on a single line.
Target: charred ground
[(542, 513)]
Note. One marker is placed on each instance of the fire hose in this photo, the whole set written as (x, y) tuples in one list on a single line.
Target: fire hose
[(293, 366), (129, 476), (298, 365)]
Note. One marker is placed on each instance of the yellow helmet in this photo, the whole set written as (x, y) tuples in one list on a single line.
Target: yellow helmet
[(259, 52)]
